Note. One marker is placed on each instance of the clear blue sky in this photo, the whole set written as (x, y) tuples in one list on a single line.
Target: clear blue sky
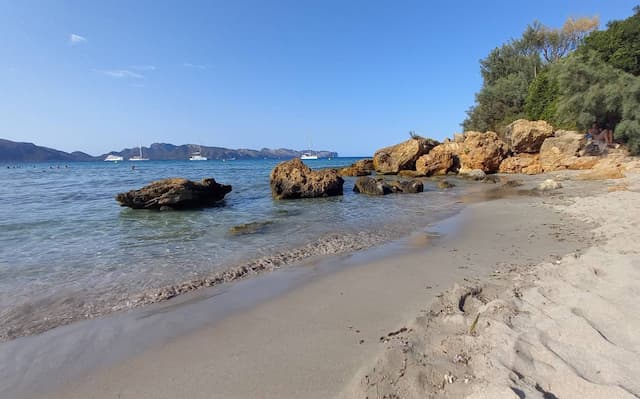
[(352, 75)]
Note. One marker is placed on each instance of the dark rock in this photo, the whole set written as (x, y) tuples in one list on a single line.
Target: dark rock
[(445, 184), (373, 186), (175, 193), (293, 179), (407, 186)]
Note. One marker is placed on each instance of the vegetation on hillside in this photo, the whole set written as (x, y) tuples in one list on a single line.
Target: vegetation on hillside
[(571, 77)]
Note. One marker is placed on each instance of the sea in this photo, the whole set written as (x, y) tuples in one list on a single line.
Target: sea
[(68, 251)]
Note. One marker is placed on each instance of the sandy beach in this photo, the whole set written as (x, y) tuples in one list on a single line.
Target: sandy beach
[(521, 295), (320, 338)]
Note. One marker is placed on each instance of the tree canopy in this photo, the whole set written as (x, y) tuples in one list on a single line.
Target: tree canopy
[(570, 76)]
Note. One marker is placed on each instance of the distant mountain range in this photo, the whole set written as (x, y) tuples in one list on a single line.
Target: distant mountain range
[(11, 151)]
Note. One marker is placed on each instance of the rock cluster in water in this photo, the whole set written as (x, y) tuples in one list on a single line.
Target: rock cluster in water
[(293, 179), (175, 193)]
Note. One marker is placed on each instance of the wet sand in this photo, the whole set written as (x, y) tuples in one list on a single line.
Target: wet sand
[(308, 341)]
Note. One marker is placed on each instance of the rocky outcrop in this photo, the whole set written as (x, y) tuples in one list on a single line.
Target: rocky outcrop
[(379, 186), (363, 167), (484, 151), (403, 156), (521, 163), (293, 179), (557, 150), (527, 136), (175, 194), (440, 160)]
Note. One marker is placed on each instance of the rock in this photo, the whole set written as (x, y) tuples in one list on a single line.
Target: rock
[(411, 186), (527, 136), (602, 172), (548, 185), (513, 183), (473, 174), (175, 193), (594, 148), (484, 151), (440, 160), (555, 151), (293, 179), (458, 137), (363, 167), (581, 163), (410, 173), (250, 228), (445, 184), (403, 156), (373, 186), (521, 163)]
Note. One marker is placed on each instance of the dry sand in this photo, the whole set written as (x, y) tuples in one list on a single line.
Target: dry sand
[(354, 332), (563, 329)]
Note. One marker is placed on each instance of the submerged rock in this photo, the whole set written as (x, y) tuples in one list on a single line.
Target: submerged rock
[(379, 186), (293, 179), (249, 228), (175, 193), (403, 156), (445, 184)]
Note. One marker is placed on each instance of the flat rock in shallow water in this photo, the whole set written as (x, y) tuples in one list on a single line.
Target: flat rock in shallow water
[(373, 186), (175, 193)]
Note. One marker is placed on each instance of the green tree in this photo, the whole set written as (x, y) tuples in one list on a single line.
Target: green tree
[(594, 91), (542, 98), (619, 44)]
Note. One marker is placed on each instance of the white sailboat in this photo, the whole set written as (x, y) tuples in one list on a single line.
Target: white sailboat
[(138, 157), (309, 155), (113, 158), (197, 155)]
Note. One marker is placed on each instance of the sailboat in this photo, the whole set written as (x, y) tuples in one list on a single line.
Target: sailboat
[(197, 155), (113, 158), (309, 154), (138, 157)]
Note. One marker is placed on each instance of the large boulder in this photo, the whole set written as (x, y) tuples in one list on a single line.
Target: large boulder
[(556, 152), (440, 160), (484, 151), (380, 186), (521, 163), (527, 136), (175, 193), (363, 167), (403, 156), (293, 179)]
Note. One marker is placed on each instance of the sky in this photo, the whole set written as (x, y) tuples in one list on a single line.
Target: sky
[(348, 76)]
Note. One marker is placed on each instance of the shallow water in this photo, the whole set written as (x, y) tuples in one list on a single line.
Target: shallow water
[(68, 250)]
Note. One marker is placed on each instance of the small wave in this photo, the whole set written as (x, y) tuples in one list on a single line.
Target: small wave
[(49, 312)]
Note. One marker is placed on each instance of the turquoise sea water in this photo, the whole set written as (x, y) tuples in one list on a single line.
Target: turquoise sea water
[(68, 250)]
